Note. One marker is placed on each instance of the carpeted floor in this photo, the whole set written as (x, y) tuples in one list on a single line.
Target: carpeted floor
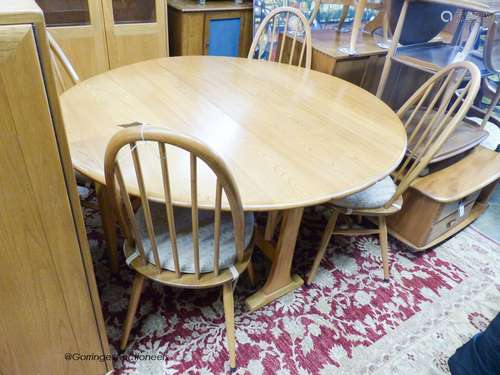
[(348, 322)]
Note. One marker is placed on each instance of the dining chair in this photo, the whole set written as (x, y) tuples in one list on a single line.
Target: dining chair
[(59, 58), (426, 134), (175, 246), (290, 23)]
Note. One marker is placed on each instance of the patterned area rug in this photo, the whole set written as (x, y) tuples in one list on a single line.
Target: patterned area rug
[(349, 322)]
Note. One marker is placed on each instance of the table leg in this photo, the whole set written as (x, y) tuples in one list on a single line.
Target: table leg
[(108, 225), (280, 281)]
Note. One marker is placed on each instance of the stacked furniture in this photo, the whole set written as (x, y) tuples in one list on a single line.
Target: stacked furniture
[(492, 62), (50, 305), (461, 176), (383, 201)]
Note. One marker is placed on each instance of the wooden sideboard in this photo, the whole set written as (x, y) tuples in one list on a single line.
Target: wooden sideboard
[(49, 300), (362, 69), (444, 202), (220, 28)]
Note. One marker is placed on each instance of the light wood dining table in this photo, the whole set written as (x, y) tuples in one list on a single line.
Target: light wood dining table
[(291, 137)]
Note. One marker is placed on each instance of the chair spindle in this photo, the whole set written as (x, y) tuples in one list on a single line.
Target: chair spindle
[(145, 204), (169, 208), (194, 213)]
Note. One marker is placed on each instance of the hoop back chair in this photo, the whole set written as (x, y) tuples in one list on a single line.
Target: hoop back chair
[(492, 62), (58, 57), (295, 23), (159, 244), (426, 133), (267, 38)]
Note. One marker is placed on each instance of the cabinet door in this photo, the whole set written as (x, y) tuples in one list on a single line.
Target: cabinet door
[(136, 30), (228, 33), (45, 304), (78, 26)]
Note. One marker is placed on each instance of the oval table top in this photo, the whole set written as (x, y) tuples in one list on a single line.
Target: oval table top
[(291, 137)]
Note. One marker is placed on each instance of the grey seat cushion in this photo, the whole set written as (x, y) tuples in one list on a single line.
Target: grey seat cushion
[(182, 218), (373, 197)]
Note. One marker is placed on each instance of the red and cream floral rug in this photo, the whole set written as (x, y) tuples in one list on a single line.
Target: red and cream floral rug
[(348, 322)]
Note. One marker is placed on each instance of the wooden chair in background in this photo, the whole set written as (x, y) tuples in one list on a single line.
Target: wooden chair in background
[(263, 44), (492, 62), (426, 135), (290, 23), (69, 74), (179, 247), (380, 21), (58, 57)]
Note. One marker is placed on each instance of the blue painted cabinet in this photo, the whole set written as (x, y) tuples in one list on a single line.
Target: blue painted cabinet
[(224, 37), (219, 28)]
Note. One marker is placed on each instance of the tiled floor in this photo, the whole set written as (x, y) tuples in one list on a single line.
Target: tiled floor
[(489, 222)]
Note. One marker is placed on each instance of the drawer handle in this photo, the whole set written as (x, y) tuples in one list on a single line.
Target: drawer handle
[(451, 223)]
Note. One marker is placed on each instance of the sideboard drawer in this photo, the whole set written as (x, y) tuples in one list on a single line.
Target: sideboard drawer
[(450, 221), (451, 207)]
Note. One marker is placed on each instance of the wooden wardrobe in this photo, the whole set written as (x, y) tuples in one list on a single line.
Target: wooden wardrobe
[(49, 305)]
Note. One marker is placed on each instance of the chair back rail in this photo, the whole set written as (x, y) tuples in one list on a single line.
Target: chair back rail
[(428, 132), (225, 183), (271, 23), (58, 56)]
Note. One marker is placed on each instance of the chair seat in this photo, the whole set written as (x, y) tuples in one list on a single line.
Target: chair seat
[(373, 197), (182, 216)]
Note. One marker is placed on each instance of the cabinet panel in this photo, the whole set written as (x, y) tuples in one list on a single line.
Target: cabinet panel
[(84, 44), (46, 308), (129, 38), (65, 12), (134, 11), (224, 37)]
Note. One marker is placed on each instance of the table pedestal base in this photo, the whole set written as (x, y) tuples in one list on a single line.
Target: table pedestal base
[(280, 281), (260, 298)]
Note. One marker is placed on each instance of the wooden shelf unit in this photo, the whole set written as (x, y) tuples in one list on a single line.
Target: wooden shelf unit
[(444, 202)]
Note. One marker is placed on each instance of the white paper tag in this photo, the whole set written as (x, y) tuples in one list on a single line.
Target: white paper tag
[(132, 257), (234, 272), (461, 209)]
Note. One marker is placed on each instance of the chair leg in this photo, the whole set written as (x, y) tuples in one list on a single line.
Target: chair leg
[(251, 273), (345, 12), (135, 296), (271, 224), (108, 225), (227, 295), (384, 246), (491, 108), (325, 240)]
